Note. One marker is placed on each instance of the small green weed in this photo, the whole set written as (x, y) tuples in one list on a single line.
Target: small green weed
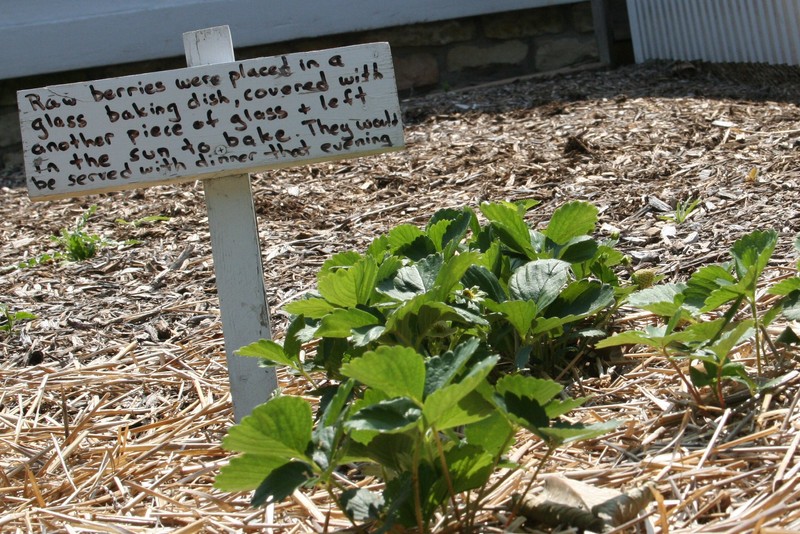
[(41, 259), (683, 210), (78, 245), (9, 318), (142, 221), (75, 244)]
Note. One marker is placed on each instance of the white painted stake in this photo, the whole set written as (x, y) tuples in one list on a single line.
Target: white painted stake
[(236, 251)]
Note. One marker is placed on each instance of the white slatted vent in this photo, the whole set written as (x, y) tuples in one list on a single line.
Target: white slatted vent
[(721, 31)]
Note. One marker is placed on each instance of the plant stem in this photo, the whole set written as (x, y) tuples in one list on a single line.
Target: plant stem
[(757, 340), (518, 504), (483, 491), (729, 315), (329, 489), (446, 473), (307, 376), (720, 396), (692, 390), (772, 346), (415, 483)]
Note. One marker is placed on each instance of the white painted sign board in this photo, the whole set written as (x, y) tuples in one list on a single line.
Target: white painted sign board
[(209, 121), (218, 119)]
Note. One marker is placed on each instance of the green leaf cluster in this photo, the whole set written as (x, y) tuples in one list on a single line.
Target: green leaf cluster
[(703, 315), (433, 427), (531, 295), (78, 245), (423, 339)]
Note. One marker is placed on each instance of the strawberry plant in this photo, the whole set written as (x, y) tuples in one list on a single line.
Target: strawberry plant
[(534, 297), (703, 315), (434, 427), (424, 339)]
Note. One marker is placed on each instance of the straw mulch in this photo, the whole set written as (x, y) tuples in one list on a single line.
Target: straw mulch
[(114, 399)]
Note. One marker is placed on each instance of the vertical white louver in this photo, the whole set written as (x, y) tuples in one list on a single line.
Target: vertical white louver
[(721, 31)]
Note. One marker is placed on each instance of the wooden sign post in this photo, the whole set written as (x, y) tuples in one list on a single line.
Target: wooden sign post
[(221, 119)]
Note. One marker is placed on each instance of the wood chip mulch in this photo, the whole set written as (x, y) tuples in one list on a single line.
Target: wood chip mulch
[(114, 399)]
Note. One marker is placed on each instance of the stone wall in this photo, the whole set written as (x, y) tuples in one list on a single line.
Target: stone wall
[(427, 57)]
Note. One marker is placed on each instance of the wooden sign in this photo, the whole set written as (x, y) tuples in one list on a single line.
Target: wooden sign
[(220, 119), (208, 121)]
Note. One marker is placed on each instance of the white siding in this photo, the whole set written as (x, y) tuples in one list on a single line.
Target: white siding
[(38, 36)]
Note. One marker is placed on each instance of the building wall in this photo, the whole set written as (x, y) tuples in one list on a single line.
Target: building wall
[(427, 56), (59, 36)]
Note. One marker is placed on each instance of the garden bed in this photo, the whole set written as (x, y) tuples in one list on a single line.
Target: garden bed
[(114, 399)]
